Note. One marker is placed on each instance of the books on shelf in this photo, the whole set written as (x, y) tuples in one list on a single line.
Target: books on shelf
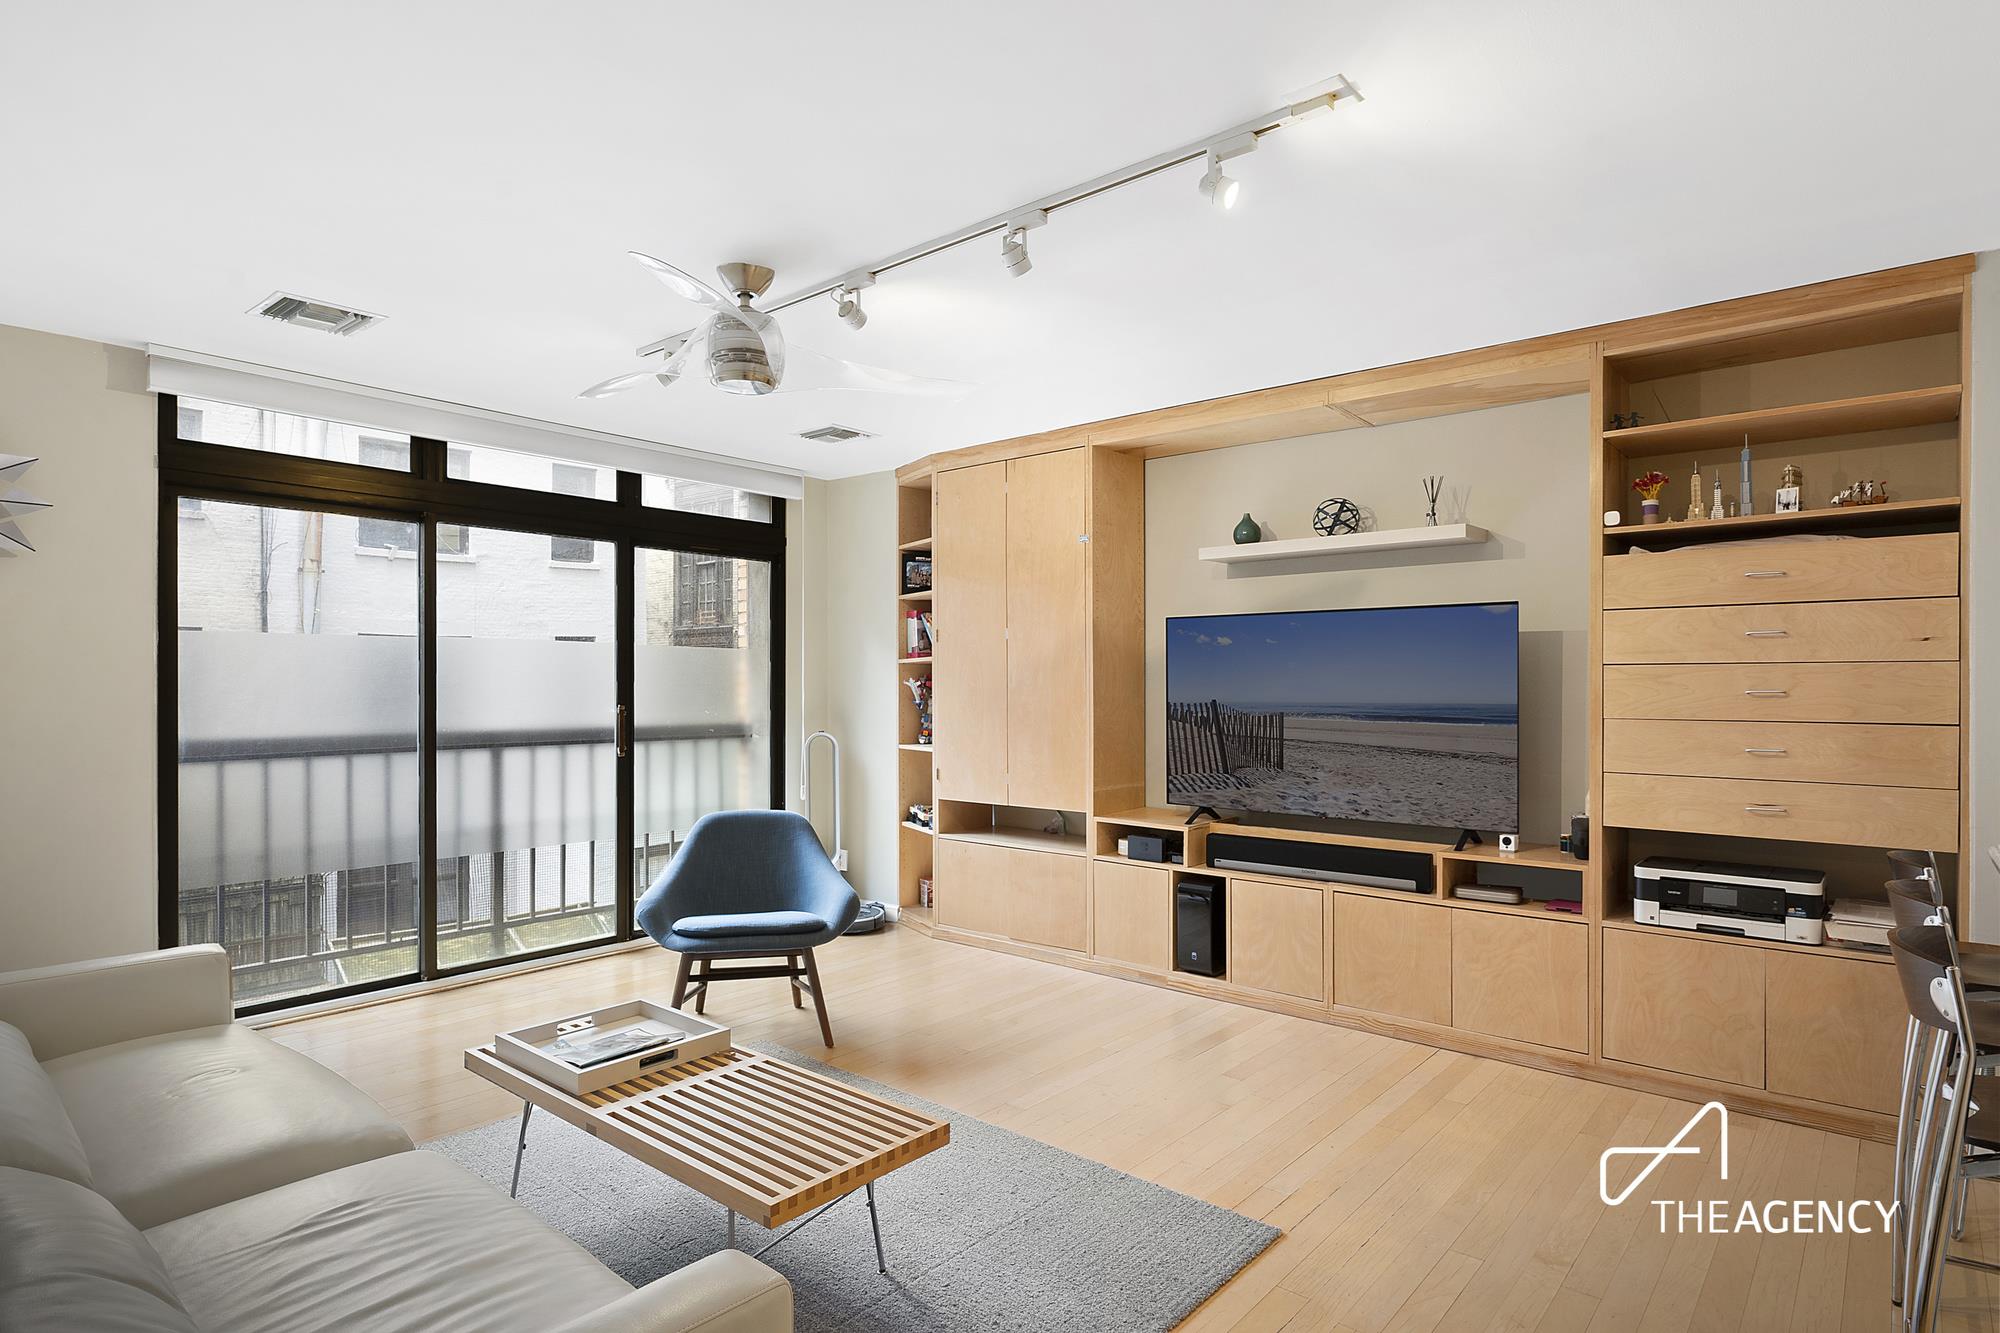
[(917, 636)]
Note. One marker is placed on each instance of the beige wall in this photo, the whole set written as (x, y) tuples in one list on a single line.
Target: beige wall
[(1519, 472), (1979, 873), (77, 807)]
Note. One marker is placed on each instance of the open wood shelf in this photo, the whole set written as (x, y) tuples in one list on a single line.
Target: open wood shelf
[(1154, 816), (1348, 543), (1783, 425), (1888, 514), (1703, 351), (920, 749), (915, 661), (1622, 920), (1528, 907), (1032, 840), (920, 544), (1537, 857), (919, 828), (924, 596)]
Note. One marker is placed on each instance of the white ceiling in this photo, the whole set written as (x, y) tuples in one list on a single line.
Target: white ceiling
[(476, 171)]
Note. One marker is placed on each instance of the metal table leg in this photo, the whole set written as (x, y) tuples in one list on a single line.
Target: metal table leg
[(881, 1264), (527, 1109), (732, 1228)]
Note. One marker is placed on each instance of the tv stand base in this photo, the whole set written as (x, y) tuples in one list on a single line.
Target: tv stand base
[(1467, 837), (1200, 810)]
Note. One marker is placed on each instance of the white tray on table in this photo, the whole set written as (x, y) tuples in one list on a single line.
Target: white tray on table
[(522, 1047)]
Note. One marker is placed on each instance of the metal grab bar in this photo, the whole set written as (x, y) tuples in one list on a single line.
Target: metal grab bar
[(837, 851)]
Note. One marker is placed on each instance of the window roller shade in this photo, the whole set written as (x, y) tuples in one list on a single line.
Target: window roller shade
[(195, 375)]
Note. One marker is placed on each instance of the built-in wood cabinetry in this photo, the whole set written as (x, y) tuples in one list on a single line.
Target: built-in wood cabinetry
[(1799, 695), (1392, 957), (1277, 938)]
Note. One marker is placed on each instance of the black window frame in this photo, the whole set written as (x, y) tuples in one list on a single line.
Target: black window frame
[(428, 494)]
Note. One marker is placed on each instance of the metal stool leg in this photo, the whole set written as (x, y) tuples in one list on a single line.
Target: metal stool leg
[(732, 1228), (527, 1109), (881, 1264), (1906, 1114)]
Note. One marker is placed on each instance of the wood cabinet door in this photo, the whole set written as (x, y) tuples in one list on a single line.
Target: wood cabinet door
[(1834, 1030), (1276, 938), (969, 886), (1693, 1006), (1046, 899), (1392, 957), (1048, 630), (969, 713), (1132, 914), (1515, 976)]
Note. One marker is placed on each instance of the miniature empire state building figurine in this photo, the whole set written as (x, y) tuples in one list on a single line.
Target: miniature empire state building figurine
[(1716, 510), (1694, 495)]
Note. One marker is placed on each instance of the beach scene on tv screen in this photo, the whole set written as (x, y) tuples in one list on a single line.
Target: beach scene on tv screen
[(1408, 715)]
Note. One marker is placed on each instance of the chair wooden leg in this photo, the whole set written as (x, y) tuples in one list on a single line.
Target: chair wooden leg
[(681, 979), (798, 1000), (701, 979), (819, 998)]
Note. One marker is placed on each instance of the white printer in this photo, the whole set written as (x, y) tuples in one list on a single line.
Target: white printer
[(1758, 902)]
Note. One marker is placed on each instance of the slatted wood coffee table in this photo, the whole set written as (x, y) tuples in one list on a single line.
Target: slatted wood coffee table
[(761, 1137)]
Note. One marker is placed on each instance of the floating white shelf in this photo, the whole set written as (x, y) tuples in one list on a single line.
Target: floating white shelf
[(1355, 543)]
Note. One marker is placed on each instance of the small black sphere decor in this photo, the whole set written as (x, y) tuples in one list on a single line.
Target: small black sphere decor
[(1336, 517)]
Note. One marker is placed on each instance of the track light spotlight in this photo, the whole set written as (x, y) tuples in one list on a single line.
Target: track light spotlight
[(1217, 188), (1014, 251), (847, 305)]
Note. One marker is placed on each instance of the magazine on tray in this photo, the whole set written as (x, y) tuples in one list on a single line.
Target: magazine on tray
[(590, 1047)]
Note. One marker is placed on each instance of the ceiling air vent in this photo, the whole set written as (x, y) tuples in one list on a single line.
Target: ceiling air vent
[(834, 435), (289, 309)]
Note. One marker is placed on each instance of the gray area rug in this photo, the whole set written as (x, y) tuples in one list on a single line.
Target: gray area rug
[(994, 1231)]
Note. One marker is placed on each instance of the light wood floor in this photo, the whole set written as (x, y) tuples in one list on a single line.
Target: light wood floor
[(1418, 1189)]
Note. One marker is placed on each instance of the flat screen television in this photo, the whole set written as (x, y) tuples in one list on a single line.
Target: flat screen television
[(1401, 715)]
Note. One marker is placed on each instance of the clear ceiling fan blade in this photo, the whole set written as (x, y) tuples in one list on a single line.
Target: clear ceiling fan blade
[(618, 384), (684, 285), (816, 370), (666, 372)]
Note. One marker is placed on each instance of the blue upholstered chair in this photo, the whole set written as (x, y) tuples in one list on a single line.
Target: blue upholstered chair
[(749, 884)]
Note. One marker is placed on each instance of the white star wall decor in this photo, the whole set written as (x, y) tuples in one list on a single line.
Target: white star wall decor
[(13, 502)]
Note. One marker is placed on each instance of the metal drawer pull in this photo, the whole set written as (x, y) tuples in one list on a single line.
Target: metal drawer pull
[(1764, 810), (1764, 573), (1766, 634), (1765, 694), (1762, 749)]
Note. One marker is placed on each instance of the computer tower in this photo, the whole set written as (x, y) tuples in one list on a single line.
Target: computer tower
[(1199, 913)]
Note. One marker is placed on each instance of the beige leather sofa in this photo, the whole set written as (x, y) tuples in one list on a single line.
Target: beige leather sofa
[(163, 1168)]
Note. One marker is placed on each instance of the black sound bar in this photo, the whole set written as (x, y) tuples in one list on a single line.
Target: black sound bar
[(1372, 867)]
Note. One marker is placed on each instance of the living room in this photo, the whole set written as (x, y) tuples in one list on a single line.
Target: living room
[(1229, 669)]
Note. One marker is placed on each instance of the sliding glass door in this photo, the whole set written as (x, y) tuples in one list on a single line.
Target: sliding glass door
[(431, 707), (701, 696), (527, 784), (297, 758)]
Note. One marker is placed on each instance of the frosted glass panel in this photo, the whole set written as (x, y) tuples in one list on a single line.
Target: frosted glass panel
[(527, 785), (298, 770), (701, 697)]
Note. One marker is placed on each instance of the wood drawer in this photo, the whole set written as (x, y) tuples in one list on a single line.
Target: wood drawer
[(1924, 693), (1888, 631), (1693, 1006), (1805, 571), (1392, 957), (1277, 938), (1866, 755), (1514, 976), (1132, 915), (1793, 811), (1834, 1029)]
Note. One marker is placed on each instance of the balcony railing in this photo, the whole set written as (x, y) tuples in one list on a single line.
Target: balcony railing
[(299, 855)]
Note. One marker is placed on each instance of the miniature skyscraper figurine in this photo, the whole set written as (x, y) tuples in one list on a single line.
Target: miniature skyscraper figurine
[(1743, 502), (1694, 494), (1715, 510)]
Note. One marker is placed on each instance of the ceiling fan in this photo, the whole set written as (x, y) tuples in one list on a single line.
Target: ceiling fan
[(744, 350)]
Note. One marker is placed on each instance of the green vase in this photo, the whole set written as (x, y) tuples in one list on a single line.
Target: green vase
[(1247, 531)]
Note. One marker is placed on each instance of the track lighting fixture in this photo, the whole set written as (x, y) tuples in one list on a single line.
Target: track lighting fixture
[(1014, 252), (1217, 188), (1013, 227), (847, 305)]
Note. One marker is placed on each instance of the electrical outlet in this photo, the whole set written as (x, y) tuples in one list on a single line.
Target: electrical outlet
[(840, 860)]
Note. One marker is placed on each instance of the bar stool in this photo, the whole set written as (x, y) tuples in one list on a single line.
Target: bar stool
[(1954, 1141)]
